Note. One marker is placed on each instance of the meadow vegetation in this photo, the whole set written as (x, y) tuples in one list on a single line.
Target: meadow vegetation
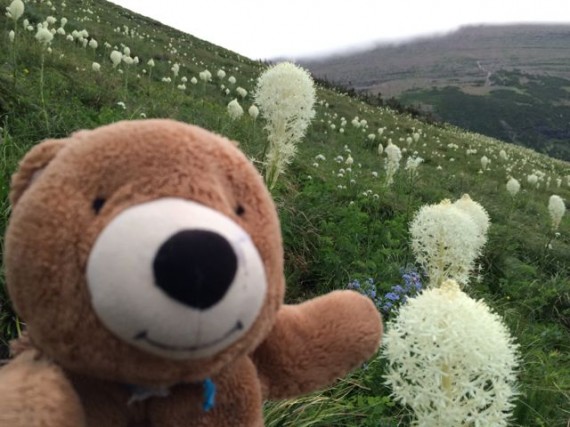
[(517, 107), (342, 222)]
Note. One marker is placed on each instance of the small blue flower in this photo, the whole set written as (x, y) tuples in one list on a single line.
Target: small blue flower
[(372, 293), (392, 296), (355, 284), (398, 289)]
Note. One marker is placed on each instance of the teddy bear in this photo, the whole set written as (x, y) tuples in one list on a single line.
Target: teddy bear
[(146, 260)]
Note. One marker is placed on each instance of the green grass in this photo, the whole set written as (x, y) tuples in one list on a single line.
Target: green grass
[(331, 235)]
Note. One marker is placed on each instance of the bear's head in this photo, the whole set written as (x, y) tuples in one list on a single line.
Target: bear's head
[(144, 252)]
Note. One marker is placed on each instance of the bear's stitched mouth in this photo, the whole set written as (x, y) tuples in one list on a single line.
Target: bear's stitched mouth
[(143, 335)]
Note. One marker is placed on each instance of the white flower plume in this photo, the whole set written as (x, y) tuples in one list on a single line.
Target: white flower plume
[(15, 10), (513, 187), (445, 241), (285, 95), (556, 208), (451, 360), (392, 162), (44, 36), (478, 214), (235, 110), (253, 111)]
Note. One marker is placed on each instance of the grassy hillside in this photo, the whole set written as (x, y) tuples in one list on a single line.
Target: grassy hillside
[(340, 222), (521, 108), (509, 82)]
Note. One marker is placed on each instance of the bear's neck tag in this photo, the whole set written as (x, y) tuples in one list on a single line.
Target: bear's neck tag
[(140, 394), (209, 394)]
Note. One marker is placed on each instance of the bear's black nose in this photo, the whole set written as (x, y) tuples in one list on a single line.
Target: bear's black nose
[(195, 267)]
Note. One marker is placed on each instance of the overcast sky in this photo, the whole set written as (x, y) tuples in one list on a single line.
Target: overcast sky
[(296, 28)]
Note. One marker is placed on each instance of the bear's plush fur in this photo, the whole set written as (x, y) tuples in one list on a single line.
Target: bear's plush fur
[(68, 196)]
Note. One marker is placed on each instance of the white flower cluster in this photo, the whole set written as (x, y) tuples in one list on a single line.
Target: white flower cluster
[(285, 95), (412, 163), (485, 162), (479, 215), (253, 111), (116, 58), (513, 187), (451, 360), (205, 75), (15, 10), (447, 238), (392, 163), (241, 92), (556, 208), (44, 36), (235, 111)]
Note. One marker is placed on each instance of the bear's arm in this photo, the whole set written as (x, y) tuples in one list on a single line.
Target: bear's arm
[(314, 343), (36, 393)]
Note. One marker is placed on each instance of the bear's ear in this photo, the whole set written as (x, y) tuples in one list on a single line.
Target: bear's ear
[(32, 165)]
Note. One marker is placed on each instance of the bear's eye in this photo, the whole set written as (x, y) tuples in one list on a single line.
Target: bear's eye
[(98, 204), (239, 210)]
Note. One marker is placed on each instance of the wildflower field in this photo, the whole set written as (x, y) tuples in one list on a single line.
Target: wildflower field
[(350, 192)]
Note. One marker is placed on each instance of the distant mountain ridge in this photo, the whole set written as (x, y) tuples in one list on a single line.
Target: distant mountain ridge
[(522, 71)]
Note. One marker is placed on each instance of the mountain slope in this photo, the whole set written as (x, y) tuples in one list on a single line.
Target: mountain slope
[(509, 82), (340, 220)]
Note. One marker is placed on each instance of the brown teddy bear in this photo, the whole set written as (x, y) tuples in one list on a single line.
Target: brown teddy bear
[(145, 258)]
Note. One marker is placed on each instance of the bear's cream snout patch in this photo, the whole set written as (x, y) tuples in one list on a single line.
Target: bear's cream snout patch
[(176, 278)]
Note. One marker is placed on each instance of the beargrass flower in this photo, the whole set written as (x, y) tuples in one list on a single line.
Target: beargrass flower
[(485, 162), (532, 179), (392, 163), (221, 74), (412, 164), (205, 76), (175, 69), (235, 110), (285, 95), (15, 10), (451, 360), (116, 58), (232, 80), (253, 112), (556, 208), (44, 36), (241, 92), (96, 67), (478, 214), (513, 187), (445, 241), (11, 36)]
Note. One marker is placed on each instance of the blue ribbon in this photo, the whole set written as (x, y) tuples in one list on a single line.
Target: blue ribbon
[(209, 394)]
